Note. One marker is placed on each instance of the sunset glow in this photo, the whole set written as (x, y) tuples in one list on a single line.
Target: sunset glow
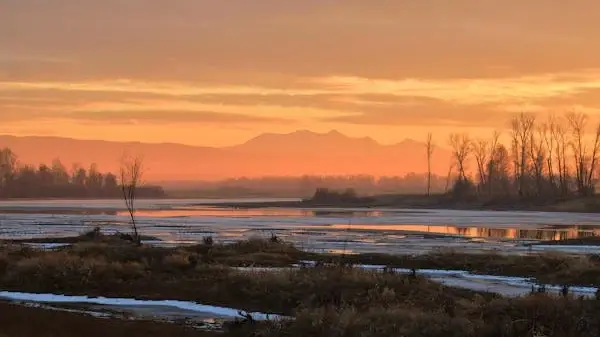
[(386, 70)]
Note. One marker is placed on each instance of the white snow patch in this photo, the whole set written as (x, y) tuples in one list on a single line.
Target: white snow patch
[(504, 285), (183, 305), (47, 246)]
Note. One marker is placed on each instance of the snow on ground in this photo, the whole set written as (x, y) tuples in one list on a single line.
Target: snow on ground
[(128, 302), (503, 285)]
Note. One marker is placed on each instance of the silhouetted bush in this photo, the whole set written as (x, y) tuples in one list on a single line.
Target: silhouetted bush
[(327, 196)]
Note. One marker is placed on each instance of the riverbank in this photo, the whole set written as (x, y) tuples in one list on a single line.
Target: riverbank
[(579, 205)]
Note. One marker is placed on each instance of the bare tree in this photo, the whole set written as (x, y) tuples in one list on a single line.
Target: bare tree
[(481, 154), (577, 123), (448, 176), (537, 154), (461, 148), (430, 148), (499, 171), (594, 160), (560, 138), (8, 165), (522, 128), (559, 156), (131, 175), (547, 133), (492, 163)]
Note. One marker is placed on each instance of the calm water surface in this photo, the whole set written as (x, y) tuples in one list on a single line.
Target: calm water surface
[(352, 229)]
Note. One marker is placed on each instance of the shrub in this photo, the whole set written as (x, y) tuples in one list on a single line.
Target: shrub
[(208, 240)]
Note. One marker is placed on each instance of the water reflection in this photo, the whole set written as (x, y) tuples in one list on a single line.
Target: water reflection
[(326, 213), (193, 211), (545, 233), (60, 211), (253, 212), (221, 212)]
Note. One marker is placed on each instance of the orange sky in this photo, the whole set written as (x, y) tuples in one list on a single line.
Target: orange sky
[(220, 72)]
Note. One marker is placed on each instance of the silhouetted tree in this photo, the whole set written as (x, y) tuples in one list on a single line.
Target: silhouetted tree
[(540, 169), (131, 175), (522, 129), (430, 148), (8, 168), (461, 148), (26, 181), (481, 151), (110, 185), (498, 171)]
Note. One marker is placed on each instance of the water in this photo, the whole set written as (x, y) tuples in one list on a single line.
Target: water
[(330, 229), (209, 310)]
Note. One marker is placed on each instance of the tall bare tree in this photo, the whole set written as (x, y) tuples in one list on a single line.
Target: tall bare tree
[(449, 176), (594, 160), (489, 161), (461, 148), (547, 133), (481, 153), (499, 171), (522, 128), (8, 166), (557, 157), (560, 138), (430, 146), (131, 176), (537, 154), (577, 124)]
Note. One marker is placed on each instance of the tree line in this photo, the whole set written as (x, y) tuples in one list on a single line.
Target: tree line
[(55, 181), (305, 186), (546, 159)]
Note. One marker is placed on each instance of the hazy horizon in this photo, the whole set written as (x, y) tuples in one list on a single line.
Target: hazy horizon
[(296, 154), (257, 136)]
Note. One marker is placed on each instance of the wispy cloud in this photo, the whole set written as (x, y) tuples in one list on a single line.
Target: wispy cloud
[(350, 100), (156, 87), (274, 64), (165, 116), (472, 91), (9, 59)]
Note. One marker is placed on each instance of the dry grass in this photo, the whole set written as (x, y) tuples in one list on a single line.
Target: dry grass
[(548, 268), (175, 277), (533, 316), (554, 268), (330, 301)]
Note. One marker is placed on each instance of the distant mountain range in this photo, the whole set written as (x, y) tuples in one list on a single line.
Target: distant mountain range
[(294, 154)]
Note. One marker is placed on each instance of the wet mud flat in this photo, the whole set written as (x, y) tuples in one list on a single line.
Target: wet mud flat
[(19, 320), (205, 321)]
